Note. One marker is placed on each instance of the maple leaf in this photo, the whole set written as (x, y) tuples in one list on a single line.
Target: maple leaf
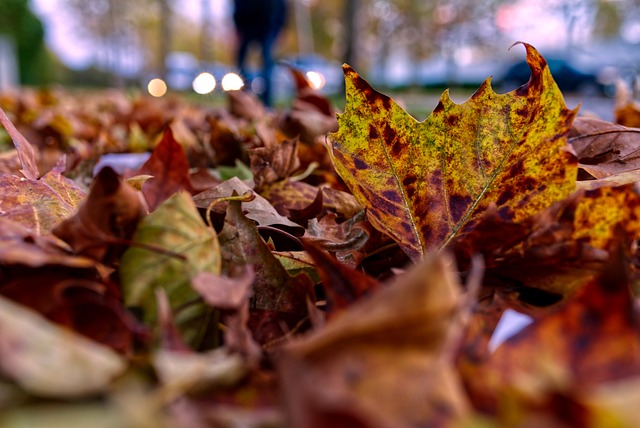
[(557, 250), (425, 183)]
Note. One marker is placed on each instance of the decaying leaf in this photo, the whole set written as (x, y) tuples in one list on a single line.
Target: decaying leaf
[(183, 372), (273, 288), (607, 151), (26, 152), (39, 204), (294, 197), (258, 209), (383, 362), (231, 294), (627, 110), (51, 361), (342, 285), (311, 115), (271, 164), (109, 214), (425, 183), (170, 247), (591, 339), (224, 292), (170, 170)]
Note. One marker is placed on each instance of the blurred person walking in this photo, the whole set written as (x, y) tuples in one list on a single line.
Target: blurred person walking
[(259, 22)]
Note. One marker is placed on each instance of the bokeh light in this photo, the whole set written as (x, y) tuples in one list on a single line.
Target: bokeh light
[(232, 82), (316, 80), (204, 83), (157, 87)]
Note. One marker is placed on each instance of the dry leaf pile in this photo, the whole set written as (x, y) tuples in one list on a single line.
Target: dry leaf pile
[(248, 268)]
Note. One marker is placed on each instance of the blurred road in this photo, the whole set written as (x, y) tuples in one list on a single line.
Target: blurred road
[(602, 107), (420, 104)]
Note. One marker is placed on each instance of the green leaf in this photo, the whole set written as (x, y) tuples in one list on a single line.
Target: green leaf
[(171, 246), (425, 183)]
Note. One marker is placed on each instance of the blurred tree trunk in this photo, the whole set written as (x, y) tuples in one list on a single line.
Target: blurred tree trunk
[(350, 35), (165, 36), (303, 27), (206, 33)]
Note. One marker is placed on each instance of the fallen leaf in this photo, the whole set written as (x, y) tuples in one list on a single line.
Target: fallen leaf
[(170, 247), (603, 211), (342, 285), (51, 361), (183, 372), (245, 105), (591, 339), (258, 209), (271, 164), (292, 198), (273, 288), (108, 216), (311, 116), (627, 110), (605, 149), (224, 292), (383, 362), (425, 183), (349, 240), (232, 294), (170, 170), (297, 262), (39, 204), (559, 249), (26, 152), (225, 138)]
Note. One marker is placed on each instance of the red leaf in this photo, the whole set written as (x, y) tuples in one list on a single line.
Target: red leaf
[(169, 167), (342, 284)]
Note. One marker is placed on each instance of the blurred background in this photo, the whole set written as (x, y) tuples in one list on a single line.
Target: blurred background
[(395, 44)]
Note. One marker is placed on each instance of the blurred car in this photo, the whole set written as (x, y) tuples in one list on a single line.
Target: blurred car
[(329, 71), (568, 78)]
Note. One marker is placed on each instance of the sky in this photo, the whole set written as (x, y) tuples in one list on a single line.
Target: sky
[(526, 20), (78, 53)]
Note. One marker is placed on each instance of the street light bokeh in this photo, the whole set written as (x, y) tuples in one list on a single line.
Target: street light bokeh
[(232, 82), (204, 83), (157, 87)]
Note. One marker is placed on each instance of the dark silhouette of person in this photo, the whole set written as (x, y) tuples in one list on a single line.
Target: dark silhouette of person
[(259, 22)]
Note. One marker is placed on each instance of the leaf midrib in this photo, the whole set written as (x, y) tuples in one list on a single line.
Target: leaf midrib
[(456, 228)]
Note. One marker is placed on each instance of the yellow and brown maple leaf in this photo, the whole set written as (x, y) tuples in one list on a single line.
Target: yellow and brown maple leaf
[(426, 183)]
